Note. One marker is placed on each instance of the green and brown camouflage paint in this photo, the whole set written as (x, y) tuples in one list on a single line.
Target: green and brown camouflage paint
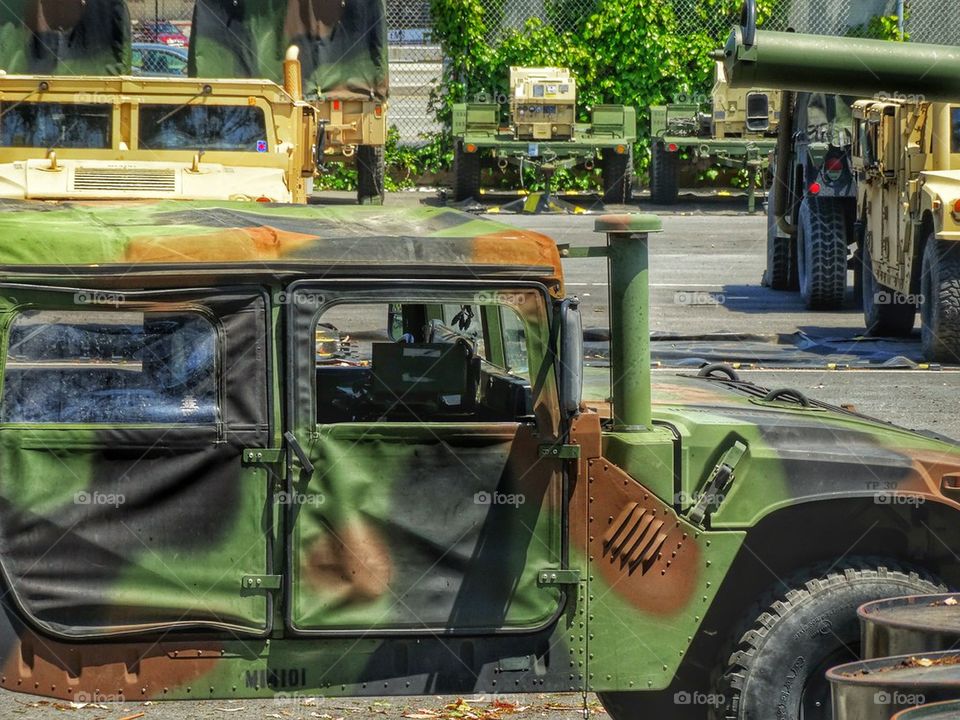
[(65, 37), (343, 46), (399, 583)]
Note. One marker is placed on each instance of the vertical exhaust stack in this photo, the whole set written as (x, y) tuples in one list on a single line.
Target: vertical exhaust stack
[(293, 73), (628, 264)]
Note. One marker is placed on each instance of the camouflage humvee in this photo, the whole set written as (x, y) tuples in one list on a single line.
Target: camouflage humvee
[(276, 450)]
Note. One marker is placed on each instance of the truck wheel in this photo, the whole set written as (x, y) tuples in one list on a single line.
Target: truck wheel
[(886, 313), (776, 671), (663, 174), (617, 172), (781, 256), (940, 287), (822, 253), (466, 173), (371, 170)]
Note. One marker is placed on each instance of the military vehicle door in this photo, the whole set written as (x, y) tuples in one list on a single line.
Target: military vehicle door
[(124, 504), (419, 502)]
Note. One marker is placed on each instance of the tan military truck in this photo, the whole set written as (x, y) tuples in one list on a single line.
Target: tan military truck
[(156, 138), (907, 154)]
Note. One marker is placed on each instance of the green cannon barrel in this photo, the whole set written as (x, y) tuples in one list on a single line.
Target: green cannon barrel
[(843, 66)]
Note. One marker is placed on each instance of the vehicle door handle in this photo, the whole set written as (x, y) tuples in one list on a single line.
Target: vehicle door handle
[(299, 452)]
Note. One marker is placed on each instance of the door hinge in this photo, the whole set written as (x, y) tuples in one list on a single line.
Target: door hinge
[(563, 452), (716, 486), (261, 582), (262, 456), (558, 577)]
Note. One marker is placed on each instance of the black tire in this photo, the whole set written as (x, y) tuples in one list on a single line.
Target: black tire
[(371, 171), (616, 169), (776, 670), (663, 174), (781, 271), (466, 173), (940, 288), (822, 253), (886, 313)]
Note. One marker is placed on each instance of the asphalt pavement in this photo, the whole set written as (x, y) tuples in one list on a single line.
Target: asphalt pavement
[(705, 294)]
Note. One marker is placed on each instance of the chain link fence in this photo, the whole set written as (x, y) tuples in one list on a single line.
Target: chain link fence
[(416, 62)]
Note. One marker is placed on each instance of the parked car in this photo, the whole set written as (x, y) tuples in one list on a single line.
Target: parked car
[(156, 60), (163, 32)]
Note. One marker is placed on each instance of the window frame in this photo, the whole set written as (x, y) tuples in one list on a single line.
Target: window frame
[(333, 292), (109, 114), (262, 108), (8, 318)]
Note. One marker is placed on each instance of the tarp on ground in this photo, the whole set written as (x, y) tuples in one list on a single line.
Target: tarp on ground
[(343, 45), (65, 37)]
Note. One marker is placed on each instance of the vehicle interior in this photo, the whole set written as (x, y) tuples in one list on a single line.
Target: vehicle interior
[(444, 363)]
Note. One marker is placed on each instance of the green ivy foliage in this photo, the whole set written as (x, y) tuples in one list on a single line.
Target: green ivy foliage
[(629, 52)]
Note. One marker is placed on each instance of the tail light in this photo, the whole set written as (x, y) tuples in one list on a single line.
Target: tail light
[(833, 167)]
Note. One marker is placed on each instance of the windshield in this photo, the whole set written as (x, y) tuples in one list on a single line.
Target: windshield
[(203, 127), (55, 125), (955, 130)]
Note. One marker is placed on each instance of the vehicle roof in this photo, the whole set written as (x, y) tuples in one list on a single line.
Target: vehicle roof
[(60, 242), (98, 86)]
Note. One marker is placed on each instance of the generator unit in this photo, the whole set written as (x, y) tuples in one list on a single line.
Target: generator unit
[(543, 103)]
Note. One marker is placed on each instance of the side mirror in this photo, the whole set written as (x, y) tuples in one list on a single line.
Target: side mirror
[(571, 356)]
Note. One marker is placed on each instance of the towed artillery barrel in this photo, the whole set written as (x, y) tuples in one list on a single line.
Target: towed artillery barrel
[(843, 66)]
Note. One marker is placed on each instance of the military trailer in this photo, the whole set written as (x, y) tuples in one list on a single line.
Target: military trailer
[(904, 154), (536, 126), (738, 130), (254, 451), (345, 76)]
